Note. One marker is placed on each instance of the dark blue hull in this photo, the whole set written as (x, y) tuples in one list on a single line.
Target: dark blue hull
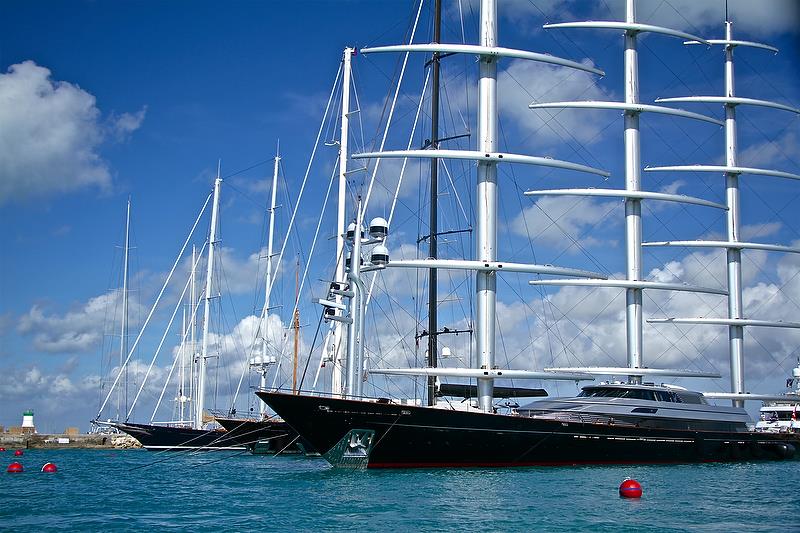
[(385, 435), (179, 438)]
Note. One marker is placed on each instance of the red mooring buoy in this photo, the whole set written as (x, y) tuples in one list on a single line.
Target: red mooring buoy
[(49, 468), (630, 488), (2, 449), (18, 453), (14, 468)]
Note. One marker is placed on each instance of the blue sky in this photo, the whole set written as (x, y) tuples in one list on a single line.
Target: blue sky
[(140, 99)]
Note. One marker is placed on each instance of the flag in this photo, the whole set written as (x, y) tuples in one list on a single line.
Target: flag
[(794, 413)]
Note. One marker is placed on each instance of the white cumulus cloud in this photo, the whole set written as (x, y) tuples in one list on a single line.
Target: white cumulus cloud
[(559, 220), (51, 134), (77, 330), (525, 82), (766, 17), (126, 123)]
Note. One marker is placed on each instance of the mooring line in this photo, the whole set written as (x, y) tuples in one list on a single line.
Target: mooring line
[(172, 454), (290, 443)]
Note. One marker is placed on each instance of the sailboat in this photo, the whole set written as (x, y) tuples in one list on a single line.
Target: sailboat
[(122, 391), (630, 421), (181, 434), (266, 434)]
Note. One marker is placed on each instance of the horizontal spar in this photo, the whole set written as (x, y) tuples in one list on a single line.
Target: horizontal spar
[(746, 396), (495, 373), (621, 193), (724, 169), (624, 106), (471, 391), (732, 43), (474, 155), (628, 284), (729, 100), (496, 266), (726, 322), (736, 245), (615, 371), (490, 51), (634, 27)]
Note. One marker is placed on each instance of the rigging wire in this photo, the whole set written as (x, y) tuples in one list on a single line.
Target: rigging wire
[(158, 348), (391, 114), (182, 343), (304, 182), (158, 298), (659, 59)]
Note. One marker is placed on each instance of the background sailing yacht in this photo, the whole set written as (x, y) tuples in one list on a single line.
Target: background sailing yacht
[(264, 433), (179, 434), (118, 409), (193, 425)]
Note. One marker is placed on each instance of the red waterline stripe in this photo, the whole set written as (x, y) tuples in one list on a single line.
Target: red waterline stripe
[(526, 463)]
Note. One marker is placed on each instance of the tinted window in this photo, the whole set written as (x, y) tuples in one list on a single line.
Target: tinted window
[(688, 398), (662, 396), (614, 392)]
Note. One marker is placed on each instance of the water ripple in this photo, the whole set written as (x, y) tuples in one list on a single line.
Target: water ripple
[(136, 490)]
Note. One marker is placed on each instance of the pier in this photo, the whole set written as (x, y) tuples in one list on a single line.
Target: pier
[(68, 440)]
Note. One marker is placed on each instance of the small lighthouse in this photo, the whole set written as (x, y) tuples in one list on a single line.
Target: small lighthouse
[(27, 422)]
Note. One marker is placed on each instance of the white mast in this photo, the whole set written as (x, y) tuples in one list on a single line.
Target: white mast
[(735, 331), (268, 289), (338, 377), (193, 327), (123, 342), (633, 206), (212, 241), (486, 205), (182, 367), (355, 361), (187, 346)]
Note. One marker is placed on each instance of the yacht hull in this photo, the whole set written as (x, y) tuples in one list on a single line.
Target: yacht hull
[(263, 436), (157, 438), (383, 435)]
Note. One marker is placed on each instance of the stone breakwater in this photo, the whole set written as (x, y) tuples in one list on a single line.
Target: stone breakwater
[(94, 440)]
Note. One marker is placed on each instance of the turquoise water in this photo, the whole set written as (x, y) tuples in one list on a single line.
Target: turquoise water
[(138, 490)]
